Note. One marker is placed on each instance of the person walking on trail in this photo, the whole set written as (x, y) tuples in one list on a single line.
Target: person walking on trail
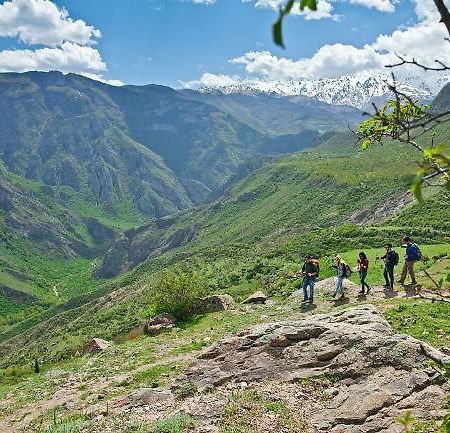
[(391, 259), (310, 272), (363, 267), (412, 255), (341, 267)]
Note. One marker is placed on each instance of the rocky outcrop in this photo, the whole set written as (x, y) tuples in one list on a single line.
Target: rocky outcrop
[(256, 298), (158, 324), (214, 303), (377, 213), (96, 345), (137, 245), (367, 374)]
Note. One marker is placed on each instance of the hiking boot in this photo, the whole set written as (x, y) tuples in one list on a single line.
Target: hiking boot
[(311, 301), (387, 286), (361, 292), (368, 290), (305, 300)]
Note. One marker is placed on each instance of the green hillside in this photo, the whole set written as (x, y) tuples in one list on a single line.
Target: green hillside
[(254, 237), (276, 115)]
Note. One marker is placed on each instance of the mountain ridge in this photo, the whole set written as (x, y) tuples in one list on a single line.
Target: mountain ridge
[(358, 90)]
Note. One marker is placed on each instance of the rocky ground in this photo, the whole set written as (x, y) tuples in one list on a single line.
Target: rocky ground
[(334, 366)]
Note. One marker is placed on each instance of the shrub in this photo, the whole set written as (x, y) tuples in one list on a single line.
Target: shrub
[(179, 294), (187, 389), (173, 424)]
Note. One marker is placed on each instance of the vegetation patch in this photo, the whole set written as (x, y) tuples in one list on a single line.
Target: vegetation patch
[(251, 411), (423, 320), (173, 424)]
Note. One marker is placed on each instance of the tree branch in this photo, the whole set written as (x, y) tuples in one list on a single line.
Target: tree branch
[(444, 12)]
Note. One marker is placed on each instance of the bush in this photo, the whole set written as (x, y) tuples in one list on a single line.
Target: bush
[(187, 389), (179, 294), (173, 424)]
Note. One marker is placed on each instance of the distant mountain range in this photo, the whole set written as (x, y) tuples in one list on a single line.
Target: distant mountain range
[(359, 91)]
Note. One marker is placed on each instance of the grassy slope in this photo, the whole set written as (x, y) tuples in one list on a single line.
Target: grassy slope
[(253, 238)]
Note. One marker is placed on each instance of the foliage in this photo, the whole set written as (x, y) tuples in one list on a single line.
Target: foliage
[(277, 28), (187, 389), (173, 424), (389, 121), (178, 293), (423, 320), (397, 120)]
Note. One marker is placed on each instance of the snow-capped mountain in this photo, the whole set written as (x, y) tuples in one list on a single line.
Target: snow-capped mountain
[(354, 90)]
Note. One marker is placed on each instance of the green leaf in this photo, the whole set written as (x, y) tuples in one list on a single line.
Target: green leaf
[(288, 7), (310, 4), (416, 186), (277, 31)]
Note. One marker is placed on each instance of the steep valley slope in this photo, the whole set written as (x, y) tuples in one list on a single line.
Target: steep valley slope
[(93, 160)]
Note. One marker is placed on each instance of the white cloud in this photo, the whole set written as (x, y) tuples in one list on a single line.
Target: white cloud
[(324, 8), (67, 42), (204, 2), (329, 61), (41, 22), (380, 5), (211, 80), (99, 77), (69, 57)]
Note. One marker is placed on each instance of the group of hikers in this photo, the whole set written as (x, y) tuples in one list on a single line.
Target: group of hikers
[(311, 268)]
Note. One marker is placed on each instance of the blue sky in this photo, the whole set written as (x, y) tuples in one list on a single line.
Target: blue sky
[(179, 41)]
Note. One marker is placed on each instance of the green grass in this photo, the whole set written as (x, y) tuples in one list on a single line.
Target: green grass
[(173, 424), (423, 320)]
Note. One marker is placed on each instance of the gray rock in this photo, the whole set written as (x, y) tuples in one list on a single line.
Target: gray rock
[(55, 373), (376, 374), (96, 345), (215, 303), (159, 323), (256, 298), (147, 397)]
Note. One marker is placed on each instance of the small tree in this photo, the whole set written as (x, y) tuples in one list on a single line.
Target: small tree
[(179, 294), (36, 365)]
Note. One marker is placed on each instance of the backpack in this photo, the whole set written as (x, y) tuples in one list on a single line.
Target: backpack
[(313, 262), (317, 263), (347, 270), (395, 258), (417, 254)]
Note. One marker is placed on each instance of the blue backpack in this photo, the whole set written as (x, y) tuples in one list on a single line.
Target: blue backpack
[(415, 254)]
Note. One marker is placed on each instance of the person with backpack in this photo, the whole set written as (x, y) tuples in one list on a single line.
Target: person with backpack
[(343, 271), (363, 267), (412, 255), (391, 259), (310, 272)]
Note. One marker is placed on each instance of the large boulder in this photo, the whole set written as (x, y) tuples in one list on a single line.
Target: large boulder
[(369, 374), (96, 345), (159, 323), (256, 298), (214, 303)]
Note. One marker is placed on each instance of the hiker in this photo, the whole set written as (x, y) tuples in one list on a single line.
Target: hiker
[(412, 255), (310, 272), (341, 267), (363, 267), (391, 259)]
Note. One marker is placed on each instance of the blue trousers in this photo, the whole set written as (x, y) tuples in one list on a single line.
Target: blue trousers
[(339, 285), (308, 281)]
